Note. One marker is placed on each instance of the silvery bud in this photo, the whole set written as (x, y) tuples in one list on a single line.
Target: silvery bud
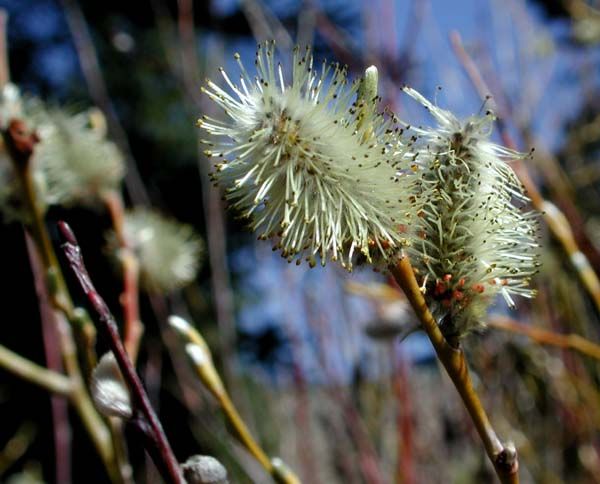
[(204, 469), (109, 392)]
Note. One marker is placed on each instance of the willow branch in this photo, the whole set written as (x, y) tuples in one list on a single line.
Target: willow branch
[(32, 372), (20, 143), (164, 457), (503, 457), (59, 407), (212, 204), (201, 357), (569, 341), (133, 328)]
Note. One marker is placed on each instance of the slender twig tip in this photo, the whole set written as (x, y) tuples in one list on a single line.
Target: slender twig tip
[(67, 233), (196, 354), (179, 324)]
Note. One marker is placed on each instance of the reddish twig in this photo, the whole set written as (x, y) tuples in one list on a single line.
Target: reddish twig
[(133, 327), (367, 455), (51, 338), (144, 416), (405, 471), (302, 418)]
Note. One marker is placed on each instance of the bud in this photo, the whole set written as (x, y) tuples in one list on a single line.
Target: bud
[(199, 353), (368, 84), (282, 473), (204, 469), (202, 360), (109, 392)]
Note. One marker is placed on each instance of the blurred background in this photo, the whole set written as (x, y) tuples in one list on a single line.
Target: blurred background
[(317, 361)]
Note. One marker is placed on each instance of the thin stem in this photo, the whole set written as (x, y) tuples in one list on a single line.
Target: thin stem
[(405, 472), (168, 464), (543, 336), (32, 372), (17, 446), (242, 431), (503, 457), (201, 357), (133, 327), (188, 75), (20, 144), (4, 69), (52, 348), (209, 376), (59, 296)]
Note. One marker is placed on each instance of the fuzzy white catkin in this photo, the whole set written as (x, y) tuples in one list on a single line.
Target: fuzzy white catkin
[(474, 241), (307, 162), (73, 163), (77, 162), (169, 252)]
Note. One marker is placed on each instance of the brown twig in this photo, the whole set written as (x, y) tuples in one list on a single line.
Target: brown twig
[(368, 460), (543, 336), (503, 457), (164, 457), (302, 421)]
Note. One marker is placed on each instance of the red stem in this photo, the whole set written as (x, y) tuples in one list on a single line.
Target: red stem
[(147, 419), (58, 404), (133, 328), (405, 471)]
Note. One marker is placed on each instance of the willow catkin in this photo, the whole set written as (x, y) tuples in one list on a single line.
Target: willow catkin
[(474, 240), (308, 162)]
